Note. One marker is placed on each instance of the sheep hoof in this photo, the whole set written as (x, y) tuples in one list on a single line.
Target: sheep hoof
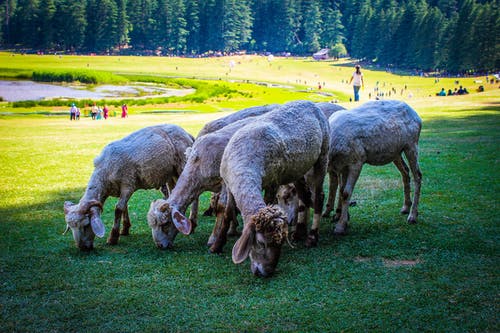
[(215, 249), (412, 220), (312, 238), (112, 241), (353, 203), (340, 230), (125, 232)]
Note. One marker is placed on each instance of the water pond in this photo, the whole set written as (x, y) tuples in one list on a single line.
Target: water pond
[(13, 91)]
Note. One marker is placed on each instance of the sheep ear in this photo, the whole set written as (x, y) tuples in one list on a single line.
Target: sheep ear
[(243, 245), (97, 225), (182, 223)]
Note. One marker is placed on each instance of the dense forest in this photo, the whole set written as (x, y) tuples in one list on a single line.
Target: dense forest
[(454, 35)]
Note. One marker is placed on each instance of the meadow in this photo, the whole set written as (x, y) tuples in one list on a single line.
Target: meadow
[(440, 275)]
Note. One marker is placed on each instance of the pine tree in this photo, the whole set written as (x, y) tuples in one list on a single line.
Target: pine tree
[(46, 31), (312, 26)]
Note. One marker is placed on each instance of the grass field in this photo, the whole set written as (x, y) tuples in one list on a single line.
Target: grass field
[(440, 275)]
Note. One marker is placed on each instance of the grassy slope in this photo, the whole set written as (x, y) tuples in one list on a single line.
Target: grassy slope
[(439, 275)]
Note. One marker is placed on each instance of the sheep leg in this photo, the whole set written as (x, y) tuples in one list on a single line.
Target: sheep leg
[(126, 222), (218, 211), (405, 174), (228, 215), (193, 212), (350, 181), (120, 208), (319, 196), (412, 156), (304, 195), (233, 226), (332, 192), (342, 180)]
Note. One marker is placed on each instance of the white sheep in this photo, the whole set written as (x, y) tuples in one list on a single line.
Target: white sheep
[(146, 159), (376, 133), (277, 148)]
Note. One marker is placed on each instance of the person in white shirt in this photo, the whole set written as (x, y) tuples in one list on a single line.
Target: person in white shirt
[(357, 82)]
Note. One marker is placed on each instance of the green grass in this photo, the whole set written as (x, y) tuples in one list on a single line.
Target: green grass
[(440, 275)]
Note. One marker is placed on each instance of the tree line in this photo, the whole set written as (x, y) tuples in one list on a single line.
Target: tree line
[(454, 35)]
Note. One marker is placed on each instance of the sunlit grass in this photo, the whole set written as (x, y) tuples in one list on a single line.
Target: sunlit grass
[(439, 275)]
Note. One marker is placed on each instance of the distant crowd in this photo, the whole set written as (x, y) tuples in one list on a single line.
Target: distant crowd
[(96, 112), (456, 91)]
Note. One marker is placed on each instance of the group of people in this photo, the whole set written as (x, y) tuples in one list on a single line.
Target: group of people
[(96, 112), (459, 91)]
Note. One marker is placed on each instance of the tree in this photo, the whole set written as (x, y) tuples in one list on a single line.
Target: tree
[(312, 27), (46, 31)]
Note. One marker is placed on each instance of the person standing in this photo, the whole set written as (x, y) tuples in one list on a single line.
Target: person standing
[(72, 112), (357, 82), (124, 110), (105, 112)]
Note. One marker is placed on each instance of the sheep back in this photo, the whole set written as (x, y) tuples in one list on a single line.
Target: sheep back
[(374, 132), (144, 159), (233, 117)]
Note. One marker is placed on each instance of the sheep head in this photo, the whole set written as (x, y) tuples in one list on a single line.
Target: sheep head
[(165, 222), (84, 220), (261, 240), (288, 200)]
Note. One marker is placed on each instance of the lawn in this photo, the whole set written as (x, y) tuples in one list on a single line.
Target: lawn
[(385, 275)]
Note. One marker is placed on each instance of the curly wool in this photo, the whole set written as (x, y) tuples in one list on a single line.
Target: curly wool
[(271, 221)]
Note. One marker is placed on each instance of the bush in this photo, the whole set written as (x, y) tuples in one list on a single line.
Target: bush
[(83, 76)]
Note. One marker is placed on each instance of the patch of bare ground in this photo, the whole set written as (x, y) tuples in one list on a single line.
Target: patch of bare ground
[(401, 263)]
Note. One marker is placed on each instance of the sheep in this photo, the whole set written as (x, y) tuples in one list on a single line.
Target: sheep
[(145, 159), (201, 173), (275, 149), (376, 133)]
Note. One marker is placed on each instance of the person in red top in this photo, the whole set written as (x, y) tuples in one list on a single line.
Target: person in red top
[(105, 112), (124, 110)]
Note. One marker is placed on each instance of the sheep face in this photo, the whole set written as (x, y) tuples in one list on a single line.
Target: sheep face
[(165, 222), (85, 223), (288, 200), (261, 240)]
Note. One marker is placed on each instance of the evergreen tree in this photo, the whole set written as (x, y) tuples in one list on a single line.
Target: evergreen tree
[(192, 26), (47, 10), (70, 24), (312, 26), (461, 46), (25, 23), (333, 30)]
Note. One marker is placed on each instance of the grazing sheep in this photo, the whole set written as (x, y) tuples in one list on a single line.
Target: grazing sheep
[(277, 148), (376, 133), (217, 124), (200, 174), (145, 159)]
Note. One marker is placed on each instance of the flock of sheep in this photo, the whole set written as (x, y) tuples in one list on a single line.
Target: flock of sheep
[(267, 163)]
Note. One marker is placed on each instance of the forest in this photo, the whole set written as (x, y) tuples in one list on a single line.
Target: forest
[(456, 36)]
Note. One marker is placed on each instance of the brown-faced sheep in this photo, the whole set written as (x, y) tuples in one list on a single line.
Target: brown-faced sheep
[(376, 133), (278, 148), (146, 159)]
